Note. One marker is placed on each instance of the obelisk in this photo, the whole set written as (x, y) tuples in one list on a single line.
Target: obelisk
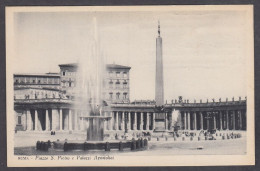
[(159, 91)]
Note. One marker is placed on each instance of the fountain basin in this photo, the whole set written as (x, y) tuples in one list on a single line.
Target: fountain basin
[(139, 144)]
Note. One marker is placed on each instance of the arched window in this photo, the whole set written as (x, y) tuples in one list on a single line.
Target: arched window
[(117, 84), (117, 95), (125, 96), (117, 74), (125, 84)]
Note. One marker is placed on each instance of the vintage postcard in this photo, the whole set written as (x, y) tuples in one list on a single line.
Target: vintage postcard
[(130, 86)]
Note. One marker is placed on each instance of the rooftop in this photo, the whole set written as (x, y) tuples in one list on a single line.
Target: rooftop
[(108, 66), (38, 74), (118, 66), (69, 65)]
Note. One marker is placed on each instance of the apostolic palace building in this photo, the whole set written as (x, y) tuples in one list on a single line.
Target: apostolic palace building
[(45, 102)]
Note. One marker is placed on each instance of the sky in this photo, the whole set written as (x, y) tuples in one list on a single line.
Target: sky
[(204, 52)]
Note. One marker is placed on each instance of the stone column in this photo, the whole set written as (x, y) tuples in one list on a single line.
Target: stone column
[(86, 123), (70, 120), (170, 121), (201, 121), (234, 120), (111, 121), (135, 122), (28, 120), (55, 120), (47, 120), (214, 120), (153, 125), (105, 121), (123, 121), (220, 120), (147, 121), (116, 121), (207, 120), (129, 121), (227, 124), (245, 118), (185, 120), (240, 119), (141, 121), (195, 121), (75, 120), (61, 118), (188, 120), (36, 120), (166, 121)]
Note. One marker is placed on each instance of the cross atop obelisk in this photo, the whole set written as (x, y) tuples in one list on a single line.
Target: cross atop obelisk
[(159, 88), (159, 32)]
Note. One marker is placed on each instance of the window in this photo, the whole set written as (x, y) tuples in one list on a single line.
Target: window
[(33, 81), (110, 84), (27, 80), (63, 73), (70, 84), (117, 95), (44, 80), (56, 80), (117, 74), (16, 81), (50, 80), (19, 120), (125, 84), (110, 95), (117, 84), (125, 74), (39, 81), (22, 80), (124, 96)]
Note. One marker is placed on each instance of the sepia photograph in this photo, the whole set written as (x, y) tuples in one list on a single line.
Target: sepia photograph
[(130, 86)]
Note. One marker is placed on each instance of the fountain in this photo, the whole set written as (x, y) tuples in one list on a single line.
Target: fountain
[(90, 85), (89, 100)]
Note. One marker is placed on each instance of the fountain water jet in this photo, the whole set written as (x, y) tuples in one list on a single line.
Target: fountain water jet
[(90, 85)]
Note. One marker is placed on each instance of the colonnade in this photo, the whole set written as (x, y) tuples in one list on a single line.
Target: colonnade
[(50, 119), (73, 120), (122, 120), (70, 119), (220, 120)]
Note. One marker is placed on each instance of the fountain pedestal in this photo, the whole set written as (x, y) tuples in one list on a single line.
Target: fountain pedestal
[(95, 130)]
